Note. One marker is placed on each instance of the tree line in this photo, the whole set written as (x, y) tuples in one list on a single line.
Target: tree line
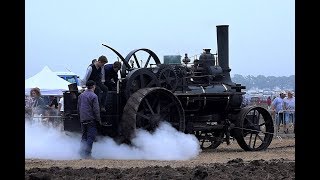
[(263, 82)]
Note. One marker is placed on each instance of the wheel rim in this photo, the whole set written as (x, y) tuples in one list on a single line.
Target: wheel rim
[(133, 54)]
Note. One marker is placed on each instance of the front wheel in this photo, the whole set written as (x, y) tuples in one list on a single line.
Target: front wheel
[(254, 128)]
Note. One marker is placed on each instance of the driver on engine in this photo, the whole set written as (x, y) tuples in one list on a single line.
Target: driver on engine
[(110, 75)]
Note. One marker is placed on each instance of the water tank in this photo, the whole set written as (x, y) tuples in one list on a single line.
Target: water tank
[(172, 59)]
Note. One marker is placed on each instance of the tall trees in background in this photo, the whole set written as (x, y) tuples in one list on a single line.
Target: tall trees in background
[(263, 82)]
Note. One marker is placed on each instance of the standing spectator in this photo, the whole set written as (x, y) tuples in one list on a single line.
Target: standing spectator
[(245, 100), (269, 101), (61, 106), (278, 107), (59, 120), (36, 104), (27, 106), (27, 99), (289, 104), (89, 113), (53, 102), (110, 75), (52, 109), (94, 73)]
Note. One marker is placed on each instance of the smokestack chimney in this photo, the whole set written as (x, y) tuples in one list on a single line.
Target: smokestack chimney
[(223, 51)]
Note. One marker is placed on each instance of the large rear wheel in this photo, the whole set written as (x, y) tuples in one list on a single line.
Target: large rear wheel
[(147, 107)]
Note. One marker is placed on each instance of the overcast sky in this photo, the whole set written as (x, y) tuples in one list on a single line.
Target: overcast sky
[(67, 34)]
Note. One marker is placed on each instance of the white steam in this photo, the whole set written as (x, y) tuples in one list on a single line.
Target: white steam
[(166, 143)]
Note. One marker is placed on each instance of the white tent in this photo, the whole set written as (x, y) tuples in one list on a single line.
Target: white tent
[(48, 82)]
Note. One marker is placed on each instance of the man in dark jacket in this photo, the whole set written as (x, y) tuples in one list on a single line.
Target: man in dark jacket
[(110, 75), (94, 73), (89, 113)]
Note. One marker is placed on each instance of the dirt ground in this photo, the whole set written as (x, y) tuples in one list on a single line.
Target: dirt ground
[(225, 162)]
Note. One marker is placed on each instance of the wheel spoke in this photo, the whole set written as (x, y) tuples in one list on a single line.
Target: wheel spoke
[(148, 104), (148, 125), (262, 124), (162, 81), (155, 101), (142, 84), (249, 122), (260, 138), (250, 139), (170, 79), (136, 60), (167, 107), (147, 62), (151, 83), (163, 116), (143, 116), (257, 118), (255, 140), (202, 142), (158, 108)]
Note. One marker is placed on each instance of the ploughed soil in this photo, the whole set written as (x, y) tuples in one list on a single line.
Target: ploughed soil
[(225, 162)]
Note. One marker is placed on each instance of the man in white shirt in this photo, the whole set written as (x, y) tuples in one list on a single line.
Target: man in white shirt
[(61, 106)]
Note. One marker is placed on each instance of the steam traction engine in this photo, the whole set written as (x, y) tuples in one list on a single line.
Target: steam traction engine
[(197, 98)]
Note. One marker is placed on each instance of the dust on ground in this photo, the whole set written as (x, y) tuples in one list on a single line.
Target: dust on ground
[(225, 162)]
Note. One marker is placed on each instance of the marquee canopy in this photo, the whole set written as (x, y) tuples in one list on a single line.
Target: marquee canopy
[(48, 82)]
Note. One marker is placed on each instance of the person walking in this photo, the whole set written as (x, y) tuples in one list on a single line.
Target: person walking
[(89, 113)]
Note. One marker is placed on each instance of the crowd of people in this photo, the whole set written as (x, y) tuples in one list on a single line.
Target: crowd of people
[(41, 108), (283, 109)]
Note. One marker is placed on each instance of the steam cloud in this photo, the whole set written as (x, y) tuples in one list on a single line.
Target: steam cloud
[(166, 143)]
